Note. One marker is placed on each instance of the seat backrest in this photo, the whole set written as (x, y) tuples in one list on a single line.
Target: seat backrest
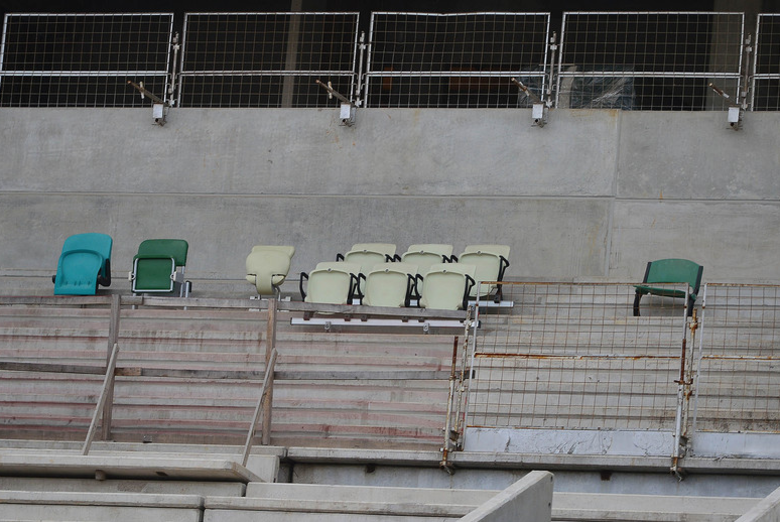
[(499, 250), (175, 249), (426, 255), (98, 243), (332, 282), (84, 258), (488, 268), (490, 260), (447, 286), (435, 248), (288, 250), (365, 258), (267, 267), (382, 248), (674, 271), (389, 284)]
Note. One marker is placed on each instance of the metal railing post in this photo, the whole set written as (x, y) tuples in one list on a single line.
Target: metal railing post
[(270, 351), (113, 338), (267, 383), (683, 384), (104, 395)]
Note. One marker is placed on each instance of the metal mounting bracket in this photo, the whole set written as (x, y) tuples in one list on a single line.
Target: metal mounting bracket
[(347, 109), (159, 106)]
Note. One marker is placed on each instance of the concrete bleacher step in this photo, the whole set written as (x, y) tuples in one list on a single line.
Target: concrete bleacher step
[(98, 507), (139, 486), (571, 507), (336, 388), (566, 506), (343, 493)]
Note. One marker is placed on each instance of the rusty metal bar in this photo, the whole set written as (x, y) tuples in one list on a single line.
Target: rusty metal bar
[(697, 370), (260, 408), (445, 450), (678, 451), (104, 394), (113, 338)]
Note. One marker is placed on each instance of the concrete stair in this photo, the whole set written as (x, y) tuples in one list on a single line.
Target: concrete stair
[(197, 376)]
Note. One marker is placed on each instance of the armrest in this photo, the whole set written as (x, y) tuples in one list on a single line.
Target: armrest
[(469, 285), (305, 276)]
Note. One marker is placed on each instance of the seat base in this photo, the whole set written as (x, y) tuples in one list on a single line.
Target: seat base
[(340, 321)]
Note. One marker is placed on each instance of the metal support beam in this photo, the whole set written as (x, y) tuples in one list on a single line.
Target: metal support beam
[(108, 384), (113, 339)]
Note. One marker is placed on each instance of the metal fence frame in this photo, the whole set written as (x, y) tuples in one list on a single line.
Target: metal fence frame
[(164, 73), (508, 74), (184, 73), (750, 317), (748, 75), (572, 318), (563, 75), (763, 76)]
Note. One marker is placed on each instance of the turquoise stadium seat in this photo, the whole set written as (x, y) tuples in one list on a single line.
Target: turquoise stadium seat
[(85, 263)]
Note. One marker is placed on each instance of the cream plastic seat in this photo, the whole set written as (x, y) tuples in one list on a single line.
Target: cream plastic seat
[(447, 286), (367, 255), (331, 282), (267, 267), (491, 262), (426, 255), (390, 284)]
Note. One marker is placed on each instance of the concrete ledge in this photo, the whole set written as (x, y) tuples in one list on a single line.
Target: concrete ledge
[(146, 487), (113, 466), (582, 506), (527, 500), (767, 510), (400, 495), (117, 507), (622, 443), (102, 499), (358, 456), (500, 460), (338, 507)]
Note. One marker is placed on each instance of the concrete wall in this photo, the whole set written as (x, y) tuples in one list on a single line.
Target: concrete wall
[(593, 194)]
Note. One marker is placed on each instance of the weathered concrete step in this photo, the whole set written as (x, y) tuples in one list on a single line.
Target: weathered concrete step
[(142, 486), (240, 510), (99, 507), (400, 495), (48, 464), (648, 508)]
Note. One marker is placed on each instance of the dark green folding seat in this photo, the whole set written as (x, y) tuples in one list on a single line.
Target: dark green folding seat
[(158, 267), (670, 271)]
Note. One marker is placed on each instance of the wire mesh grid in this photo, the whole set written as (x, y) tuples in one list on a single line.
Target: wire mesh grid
[(424, 60), (766, 79), (83, 60), (266, 59), (649, 61), (573, 356), (738, 384)]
